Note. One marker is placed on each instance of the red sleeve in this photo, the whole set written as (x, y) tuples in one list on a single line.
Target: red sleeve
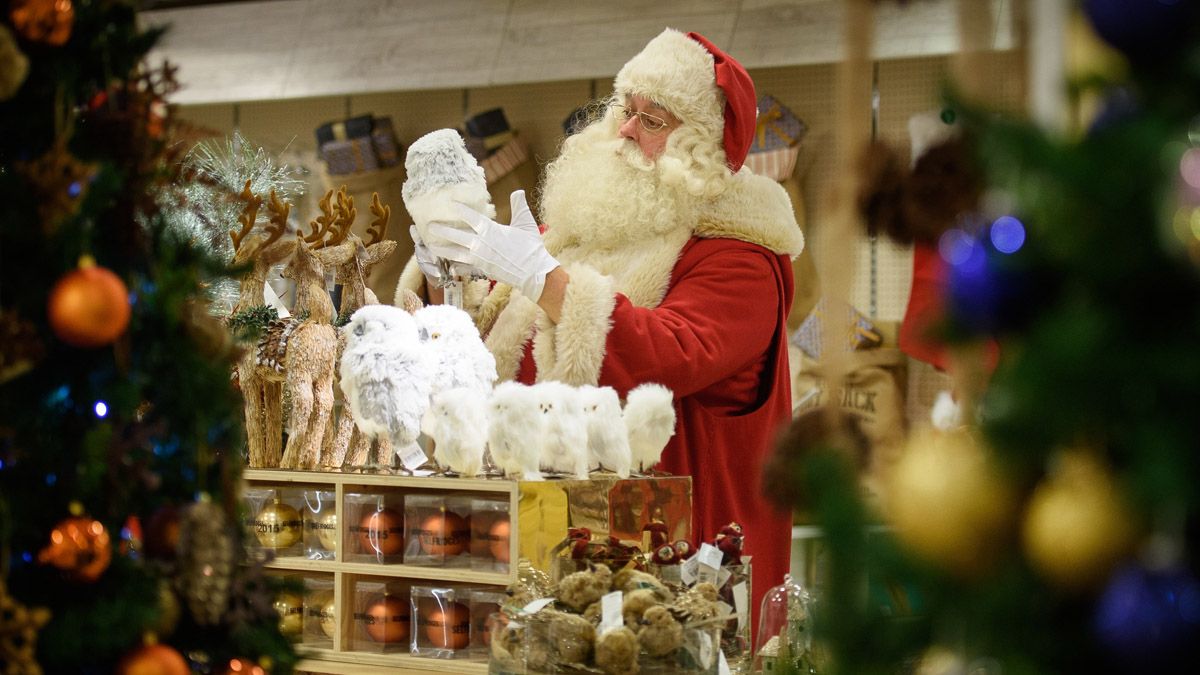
[(718, 318)]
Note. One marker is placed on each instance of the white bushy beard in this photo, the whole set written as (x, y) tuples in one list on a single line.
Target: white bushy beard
[(601, 193)]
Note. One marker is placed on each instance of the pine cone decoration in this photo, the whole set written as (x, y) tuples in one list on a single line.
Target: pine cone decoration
[(206, 560)]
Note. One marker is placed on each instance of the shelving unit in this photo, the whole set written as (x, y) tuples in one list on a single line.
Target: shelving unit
[(341, 659)]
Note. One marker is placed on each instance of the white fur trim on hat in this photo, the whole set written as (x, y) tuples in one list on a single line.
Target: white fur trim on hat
[(676, 72)]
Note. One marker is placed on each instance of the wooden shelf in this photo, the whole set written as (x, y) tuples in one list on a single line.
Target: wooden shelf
[(390, 480), (363, 663)]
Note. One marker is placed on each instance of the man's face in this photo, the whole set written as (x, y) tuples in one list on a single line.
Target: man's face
[(647, 124)]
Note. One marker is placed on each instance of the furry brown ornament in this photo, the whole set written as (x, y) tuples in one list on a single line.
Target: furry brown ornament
[(206, 560), (810, 432)]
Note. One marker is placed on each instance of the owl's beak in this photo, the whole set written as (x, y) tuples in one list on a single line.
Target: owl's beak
[(423, 333)]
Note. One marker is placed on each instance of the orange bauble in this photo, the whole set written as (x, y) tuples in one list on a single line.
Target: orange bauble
[(243, 667), (381, 532), (80, 546), (153, 660), (448, 627), (388, 620), (444, 534), (47, 21), (89, 306), (498, 542)]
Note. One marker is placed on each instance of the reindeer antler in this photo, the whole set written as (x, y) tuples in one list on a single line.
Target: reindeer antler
[(321, 225), (346, 213), (382, 215), (279, 215), (248, 216)]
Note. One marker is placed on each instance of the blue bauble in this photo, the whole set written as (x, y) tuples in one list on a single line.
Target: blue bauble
[(1145, 31), (1149, 619)]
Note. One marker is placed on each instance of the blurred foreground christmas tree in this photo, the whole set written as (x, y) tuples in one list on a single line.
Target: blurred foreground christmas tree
[(1057, 531), (120, 441)]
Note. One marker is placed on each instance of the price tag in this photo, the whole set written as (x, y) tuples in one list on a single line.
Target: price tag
[(271, 299), (710, 555), (610, 612), (741, 603), (723, 576), (536, 606), (723, 665), (411, 456), (705, 651), (687, 571)]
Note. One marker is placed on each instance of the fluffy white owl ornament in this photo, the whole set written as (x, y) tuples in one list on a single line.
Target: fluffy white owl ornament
[(608, 440), (386, 373), (457, 422), (565, 437), (459, 355), (650, 417), (515, 424)]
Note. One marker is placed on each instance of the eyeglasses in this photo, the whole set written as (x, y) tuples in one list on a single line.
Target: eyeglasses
[(649, 123)]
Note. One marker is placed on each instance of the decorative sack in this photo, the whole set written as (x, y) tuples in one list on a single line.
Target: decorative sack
[(860, 334), (776, 127)]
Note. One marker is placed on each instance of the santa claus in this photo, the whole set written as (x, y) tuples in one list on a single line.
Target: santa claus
[(663, 260)]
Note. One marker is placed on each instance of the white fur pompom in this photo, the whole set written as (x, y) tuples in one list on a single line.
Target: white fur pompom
[(458, 425), (515, 424), (565, 440), (608, 440), (650, 418)]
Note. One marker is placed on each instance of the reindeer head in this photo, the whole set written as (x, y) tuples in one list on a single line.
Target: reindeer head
[(268, 247), (323, 247)]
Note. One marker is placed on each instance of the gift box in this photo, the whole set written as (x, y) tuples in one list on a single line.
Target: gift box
[(374, 528), (383, 140), (503, 161), (382, 618), (776, 127), (321, 532), (859, 333), (320, 614), (438, 530), (273, 521), (778, 165), (348, 156), (491, 545), (606, 505), (355, 127), (443, 622)]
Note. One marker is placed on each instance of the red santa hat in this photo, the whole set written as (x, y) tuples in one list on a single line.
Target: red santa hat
[(700, 84)]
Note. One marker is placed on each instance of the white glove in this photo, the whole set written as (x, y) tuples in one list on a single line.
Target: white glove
[(513, 254), (425, 259)]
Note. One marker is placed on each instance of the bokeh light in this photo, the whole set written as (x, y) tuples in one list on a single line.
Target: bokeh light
[(101, 408), (955, 246), (1007, 234), (1189, 167)]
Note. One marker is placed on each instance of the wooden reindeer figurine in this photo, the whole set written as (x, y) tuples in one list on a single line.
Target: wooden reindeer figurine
[(352, 447), (263, 396)]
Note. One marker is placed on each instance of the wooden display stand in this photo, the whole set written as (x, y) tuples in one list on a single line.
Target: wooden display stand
[(340, 659)]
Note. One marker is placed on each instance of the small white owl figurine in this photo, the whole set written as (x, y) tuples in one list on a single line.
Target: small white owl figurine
[(458, 425), (460, 357), (386, 373), (440, 172), (565, 439), (608, 440), (515, 424), (650, 418)]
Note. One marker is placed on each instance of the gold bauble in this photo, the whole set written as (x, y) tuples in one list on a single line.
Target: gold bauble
[(278, 525), (291, 614), (325, 524), (320, 606), (948, 503), (1077, 526)]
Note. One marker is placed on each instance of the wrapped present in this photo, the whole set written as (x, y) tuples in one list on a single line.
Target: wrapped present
[(383, 140), (778, 165), (605, 506), (349, 156), (860, 332), (487, 132), (504, 160), (354, 127), (776, 126)]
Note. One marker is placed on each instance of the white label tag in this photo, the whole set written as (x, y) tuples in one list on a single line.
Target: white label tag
[(741, 603), (411, 456), (610, 612), (687, 571), (271, 298), (710, 555), (706, 650), (536, 606), (722, 664), (723, 576)]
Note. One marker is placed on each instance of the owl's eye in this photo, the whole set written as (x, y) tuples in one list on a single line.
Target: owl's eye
[(434, 336), (358, 330)]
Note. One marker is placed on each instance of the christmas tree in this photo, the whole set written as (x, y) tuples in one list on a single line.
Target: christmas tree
[(120, 435), (1055, 532)]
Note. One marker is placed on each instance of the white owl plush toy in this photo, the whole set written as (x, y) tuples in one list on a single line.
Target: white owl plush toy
[(457, 422), (650, 417), (565, 435), (515, 424), (460, 357), (608, 440), (441, 172), (386, 373)]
